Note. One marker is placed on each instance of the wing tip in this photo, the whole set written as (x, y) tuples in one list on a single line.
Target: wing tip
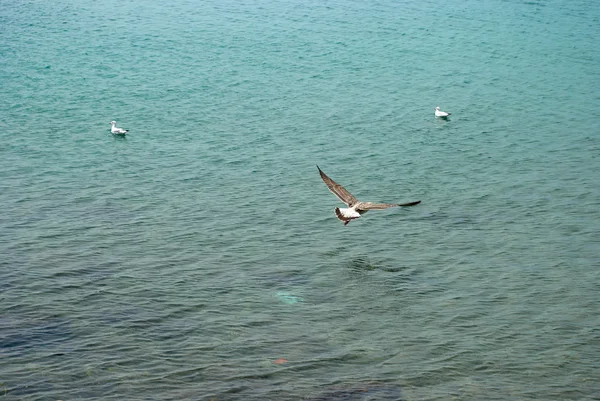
[(410, 203)]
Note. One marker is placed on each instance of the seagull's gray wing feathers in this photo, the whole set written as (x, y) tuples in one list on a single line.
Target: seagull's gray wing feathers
[(338, 190), (375, 206), (379, 206)]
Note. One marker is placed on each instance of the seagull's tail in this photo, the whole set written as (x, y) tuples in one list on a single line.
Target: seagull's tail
[(346, 214)]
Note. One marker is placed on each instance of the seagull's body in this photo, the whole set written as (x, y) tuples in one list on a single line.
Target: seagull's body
[(442, 114), (355, 207), (117, 131)]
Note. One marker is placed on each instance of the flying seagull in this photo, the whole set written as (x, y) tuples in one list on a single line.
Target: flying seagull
[(439, 113), (355, 207), (117, 131)]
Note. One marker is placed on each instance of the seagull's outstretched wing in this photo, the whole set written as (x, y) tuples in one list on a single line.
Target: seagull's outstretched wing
[(338, 190), (379, 206)]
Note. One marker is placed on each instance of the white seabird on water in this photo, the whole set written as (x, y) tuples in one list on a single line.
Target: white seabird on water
[(442, 114), (117, 131), (355, 207)]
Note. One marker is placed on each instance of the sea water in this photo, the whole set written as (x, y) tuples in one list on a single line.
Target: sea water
[(199, 256)]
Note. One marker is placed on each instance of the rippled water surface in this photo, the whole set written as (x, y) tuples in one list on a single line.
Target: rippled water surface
[(199, 257)]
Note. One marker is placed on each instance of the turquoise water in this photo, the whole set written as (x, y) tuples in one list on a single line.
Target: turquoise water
[(200, 257)]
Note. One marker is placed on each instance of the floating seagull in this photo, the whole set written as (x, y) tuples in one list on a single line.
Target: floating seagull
[(356, 207), (439, 113), (117, 131)]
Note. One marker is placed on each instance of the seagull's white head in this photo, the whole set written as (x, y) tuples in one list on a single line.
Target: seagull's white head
[(113, 122), (437, 108)]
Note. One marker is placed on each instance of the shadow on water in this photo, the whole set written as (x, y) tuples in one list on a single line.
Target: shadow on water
[(119, 138), (365, 264), (361, 263)]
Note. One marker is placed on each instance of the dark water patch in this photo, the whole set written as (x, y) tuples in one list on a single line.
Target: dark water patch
[(368, 391), (367, 264), (22, 335), (361, 264), (32, 389)]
